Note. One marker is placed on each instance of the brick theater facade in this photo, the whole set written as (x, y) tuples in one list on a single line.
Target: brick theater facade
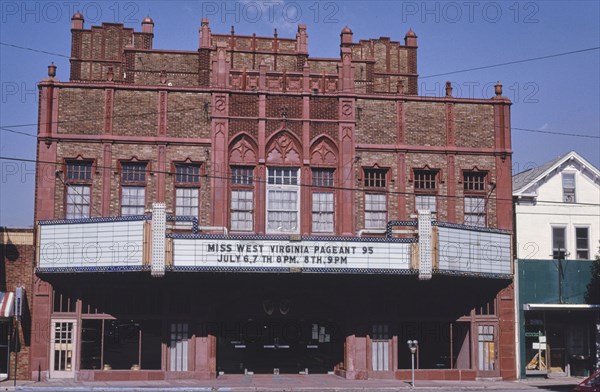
[(245, 208)]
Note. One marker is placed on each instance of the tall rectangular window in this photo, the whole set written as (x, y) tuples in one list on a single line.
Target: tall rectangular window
[(486, 347), (283, 200), (178, 347), (559, 242), (79, 186), (568, 185), (187, 182), (133, 188), (322, 200), (582, 243), (375, 183), (242, 198), (426, 190), (474, 198)]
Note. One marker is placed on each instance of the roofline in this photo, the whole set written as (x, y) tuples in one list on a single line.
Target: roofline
[(570, 155)]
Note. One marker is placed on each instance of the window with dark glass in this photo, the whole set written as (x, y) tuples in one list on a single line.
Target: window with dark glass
[(78, 193), (425, 190), (375, 184), (322, 200), (474, 198), (582, 243), (121, 344), (559, 242), (79, 170), (474, 181), (187, 183), (242, 198), (133, 188), (375, 178), (568, 185)]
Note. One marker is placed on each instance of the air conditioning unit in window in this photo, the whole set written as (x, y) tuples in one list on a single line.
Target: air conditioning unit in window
[(569, 198)]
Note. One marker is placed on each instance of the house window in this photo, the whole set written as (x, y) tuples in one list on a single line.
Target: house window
[(187, 182), (425, 190), (375, 198), (322, 200), (474, 199), (242, 198), (582, 243), (558, 242), (283, 200), (568, 184), (133, 188), (79, 185)]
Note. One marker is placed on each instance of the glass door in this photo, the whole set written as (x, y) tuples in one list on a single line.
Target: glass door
[(62, 348), (487, 350)]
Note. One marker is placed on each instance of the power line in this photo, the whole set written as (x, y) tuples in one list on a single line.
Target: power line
[(258, 180), (17, 132), (556, 133), (512, 62), (32, 50)]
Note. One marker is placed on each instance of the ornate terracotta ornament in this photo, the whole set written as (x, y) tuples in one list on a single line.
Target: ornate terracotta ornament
[(283, 150)]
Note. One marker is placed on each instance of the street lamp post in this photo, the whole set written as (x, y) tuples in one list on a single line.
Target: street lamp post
[(412, 346)]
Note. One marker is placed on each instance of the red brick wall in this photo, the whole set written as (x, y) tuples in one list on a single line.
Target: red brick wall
[(376, 122), (73, 117), (424, 123), (135, 113), (186, 116), (16, 269)]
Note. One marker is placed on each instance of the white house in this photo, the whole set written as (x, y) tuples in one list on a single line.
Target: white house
[(557, 208), (557, 223)]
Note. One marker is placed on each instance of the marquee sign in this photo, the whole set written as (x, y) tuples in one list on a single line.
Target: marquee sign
[(134, 243), (91, 245), (336, 256), (474, 251)]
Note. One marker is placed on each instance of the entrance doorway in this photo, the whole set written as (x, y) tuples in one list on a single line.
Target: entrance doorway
[(62, 348), (277, 346), (487, 350)]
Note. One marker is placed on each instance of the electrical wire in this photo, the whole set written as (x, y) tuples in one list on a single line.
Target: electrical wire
[(33, 50)]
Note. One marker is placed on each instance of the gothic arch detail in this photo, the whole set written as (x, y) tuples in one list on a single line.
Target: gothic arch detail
[(323, 152), (242, 150), (284, 148)]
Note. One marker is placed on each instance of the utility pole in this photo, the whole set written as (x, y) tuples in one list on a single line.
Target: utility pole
[(560, 276)]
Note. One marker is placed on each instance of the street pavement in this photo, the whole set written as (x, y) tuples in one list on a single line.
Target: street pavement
[(295, 383)]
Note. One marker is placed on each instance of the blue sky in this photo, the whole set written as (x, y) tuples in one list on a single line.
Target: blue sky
[(558, 94)]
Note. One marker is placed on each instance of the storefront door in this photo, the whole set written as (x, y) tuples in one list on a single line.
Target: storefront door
[(63, 339), (486, 348)]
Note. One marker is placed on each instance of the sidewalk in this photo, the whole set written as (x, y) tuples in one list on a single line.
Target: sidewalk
[(284, 382)]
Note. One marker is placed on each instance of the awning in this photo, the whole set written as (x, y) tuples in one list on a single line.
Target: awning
[(560, 306), (7, 301)]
